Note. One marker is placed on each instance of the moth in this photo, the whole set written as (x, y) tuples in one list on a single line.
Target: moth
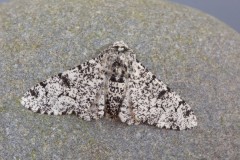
[(116, 85)]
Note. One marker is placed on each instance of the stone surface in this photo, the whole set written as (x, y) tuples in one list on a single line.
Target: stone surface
[(197, 55)]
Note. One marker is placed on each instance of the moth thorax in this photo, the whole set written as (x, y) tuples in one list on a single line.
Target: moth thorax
[(119, 68)]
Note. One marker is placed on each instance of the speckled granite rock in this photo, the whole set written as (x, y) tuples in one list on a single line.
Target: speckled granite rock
[(195, 54)]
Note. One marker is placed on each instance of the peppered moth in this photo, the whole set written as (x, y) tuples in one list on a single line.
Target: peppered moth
[(114, 84)]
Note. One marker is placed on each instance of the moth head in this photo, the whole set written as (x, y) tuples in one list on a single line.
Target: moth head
[(120, 46), (124, 53), (120, 58)]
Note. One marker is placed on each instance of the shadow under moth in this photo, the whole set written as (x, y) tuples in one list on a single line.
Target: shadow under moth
[(116, 85)]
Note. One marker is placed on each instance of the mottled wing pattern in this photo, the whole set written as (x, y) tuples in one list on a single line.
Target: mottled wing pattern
[(150, 100), (114, 84), (77, 90)]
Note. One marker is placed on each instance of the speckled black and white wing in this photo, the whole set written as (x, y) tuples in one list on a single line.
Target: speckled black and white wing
[(78, 90), (150, 100), (114, 84)]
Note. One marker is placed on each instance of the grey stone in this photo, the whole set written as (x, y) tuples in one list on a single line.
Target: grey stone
[(197, 55)]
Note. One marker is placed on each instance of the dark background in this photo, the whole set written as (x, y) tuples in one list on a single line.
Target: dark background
[(227, 11)]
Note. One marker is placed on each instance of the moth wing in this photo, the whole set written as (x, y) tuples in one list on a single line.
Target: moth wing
[(150, 100), (78, 90)]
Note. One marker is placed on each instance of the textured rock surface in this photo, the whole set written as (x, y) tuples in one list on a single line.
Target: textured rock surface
[(195, 54)]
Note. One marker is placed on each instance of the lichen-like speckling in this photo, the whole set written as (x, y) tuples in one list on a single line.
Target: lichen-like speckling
[(115, 85)]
